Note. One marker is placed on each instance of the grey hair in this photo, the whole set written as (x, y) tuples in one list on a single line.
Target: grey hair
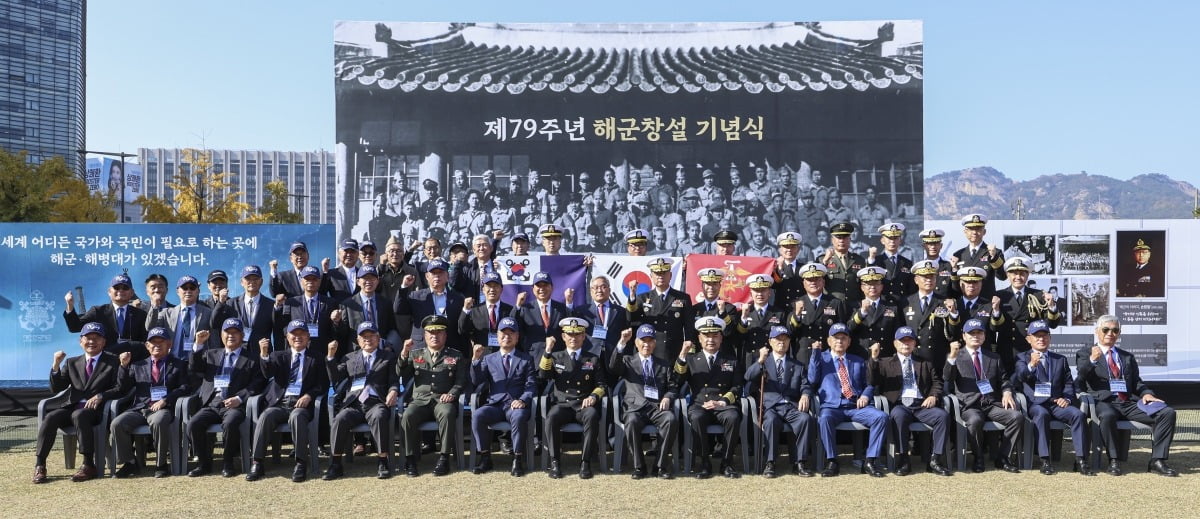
[(484, 237), (1106, 318)]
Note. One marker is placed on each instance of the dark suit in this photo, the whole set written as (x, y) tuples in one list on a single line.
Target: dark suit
[(616, 319), (312, 381), (812, 325), (354, 312), (780, 393), (877, 326), (721, 381), (354, 408), (139, 376), (429, 379), (391, 278), (935, 326), (336, 284), (836, 408), (672, 319), (245, 379), (498, 388), (1094, 377), (533, 329), (129, 338), (466, 279), (641, 409), (297, 309), (574, 381), (1010, 338), (994, 267), (201, 319), (476, 327), (1054, 371), (262, 326), (287, 283), (66, 410), (960, 377), (887, 375), (420, 304)]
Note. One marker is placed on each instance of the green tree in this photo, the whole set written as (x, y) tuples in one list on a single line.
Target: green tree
[(275, 205), (200, 195), (48, 192)]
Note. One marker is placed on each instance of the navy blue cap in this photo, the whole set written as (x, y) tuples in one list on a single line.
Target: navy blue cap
[(973, 325), (232, 322), (251, 270), (121, 279), (436, 264), (158, 332), (367, 326), (645, 330), (1037, 326), (349, 245), (368, 270), (507, 323), (92, 327), (217, 274), (297, 324), (776, 331), (367, 243), (542, 277), (298, 245), (490, 277), (521, 236), (310, 271), (905, 332), (838, 328), (187, 280)]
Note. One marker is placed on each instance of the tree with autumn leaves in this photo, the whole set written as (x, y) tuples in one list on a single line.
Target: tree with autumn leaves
[(48, 192), (202, 195)]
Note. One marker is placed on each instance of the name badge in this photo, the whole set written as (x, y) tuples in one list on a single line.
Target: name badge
[(1041, 390), (358, 383), (600, 332), (1118, 386), (650, 392), (441, 311), (985, 387), (493, 340), (293, 389), (312, 330), (910, 393), (189, 345), (221, 381), (157, 393)]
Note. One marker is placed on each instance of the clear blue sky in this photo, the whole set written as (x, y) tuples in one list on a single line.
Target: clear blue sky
[(1027, 87)]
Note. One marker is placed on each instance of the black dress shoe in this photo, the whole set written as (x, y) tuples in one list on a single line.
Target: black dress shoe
[(872, 467), (483, 465), (518, 466), (555, 470), (256, 472), (299, 473), (410, 466), (427, 448), (638, 473), (977, 465), (769, 470), (161, 471), (705, 470), (506, 447), (333, 472), (1007, 466), (665, 473), (1159, 466), (831, 469), (199, 471), (126, 470), (728, 471), (800, 468), (937, 468), (1114, 467), (442, 467), (1082, 467), (1048, 467), (383, 471), (585, 470), (903, 466)]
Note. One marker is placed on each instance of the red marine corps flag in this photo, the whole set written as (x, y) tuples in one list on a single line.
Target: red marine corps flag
[(736, 268)]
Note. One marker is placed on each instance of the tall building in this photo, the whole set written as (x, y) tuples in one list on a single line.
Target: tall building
[(43, 55), (309, 176)]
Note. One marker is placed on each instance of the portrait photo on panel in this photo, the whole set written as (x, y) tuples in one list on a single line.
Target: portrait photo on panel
[(1141, 263)]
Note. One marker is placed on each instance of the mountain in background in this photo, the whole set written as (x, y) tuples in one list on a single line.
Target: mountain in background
[(1080, 196)]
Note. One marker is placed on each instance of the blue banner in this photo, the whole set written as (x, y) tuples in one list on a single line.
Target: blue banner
[(45, 261)]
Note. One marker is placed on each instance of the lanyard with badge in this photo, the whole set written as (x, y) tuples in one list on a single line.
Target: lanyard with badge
[(311, 316), (1042, 389), (599, 330)]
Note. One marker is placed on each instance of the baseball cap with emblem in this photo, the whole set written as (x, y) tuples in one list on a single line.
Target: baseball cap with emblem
[(1140, 244), (925, 267), (367, 326), (232, 322), (297, 325), (841, 229), (813, 270), (368, 270), (932, 235), (458, 245), (709, 324), (725, 237), (974, 221), (251, 270), (298, 245), (521, 236), (871, 274), (434, 323), (435, 264), (121, 279), (92, 327), (636, 236), (349, 245), (490, 277), (645, 331), (711, 275), (550, 231), (217, 274), (542, 277), (892, 229), (1016, 263), (758, 281), (973, 325), (788, 238), (971, 274), (507, 323), (367, 243), (573, 325), (837, 328), (905, 332), (187, 280), (659, 265), (158, 332), (776, 331), (310, 271), (1037, 327)]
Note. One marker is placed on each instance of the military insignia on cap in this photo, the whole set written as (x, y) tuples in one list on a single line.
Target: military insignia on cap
[(974, 221), (788, 238), (573, 325), (758, 281), (971, 274), (726, 237), (841, 229), (709, 324), (434, 323), (891, 230), (711, 275), (636, 236), (813, 270), (1016, 263), (869, 274), (925, 268), (550, 230), (659, 265), (932, 235), (1141, 245)]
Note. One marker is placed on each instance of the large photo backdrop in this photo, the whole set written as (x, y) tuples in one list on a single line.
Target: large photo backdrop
[(453, 129)]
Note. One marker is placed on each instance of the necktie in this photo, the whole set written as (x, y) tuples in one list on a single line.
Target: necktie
[(816, 302), (312, 310), (1114, 371), (545, 318), (352, 277), (491, 310), (365, 393), (251, 309), (909, 380), (978, 366), (185, 325), (924, 304), (91, 365), (647, 373), (844, 376), (969, 305), (295, 377), (711, 358), (369, 310), (226, 371), (507, 364), (1043, 372), (121, 322), (779, 369), (1020, 299), (974, 251), (600, 312), (575, 356)]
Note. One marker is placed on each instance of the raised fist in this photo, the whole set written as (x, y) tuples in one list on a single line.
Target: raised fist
[(59, 356), (688, 348), (468, 304), (264, 350), (202, 337), (626, 334), (550, 342), (995, 302), (408, 343), (816, 345), (875, 348), (409, 279), (274, 264), (865, 307), (954, 346), (872, 251), (762, 354), (332, 348), (720, 306), (477, 351), (799, 307), (279, 299), (951, 305), (569, 297), (325, 263), (70, 299), (336, 315), (126, 358), (633, 289)]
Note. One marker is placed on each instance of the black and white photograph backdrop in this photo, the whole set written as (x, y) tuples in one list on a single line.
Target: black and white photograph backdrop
[(1039, 248), (1084, 254), (683, 129)]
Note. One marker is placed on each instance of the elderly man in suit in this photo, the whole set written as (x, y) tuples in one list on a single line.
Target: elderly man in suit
[(368, 305), (189, 323), (254, 309), (1045, 378), (605, 319), (979, 381), (310, 306), (506, 384), (715, 379), (784, 397), (226, 377), (437, 300), (1112, 376), (290, 283), (538, 319), (87, 382), (341, 282), (913, 387), (124, 325), (650, 390), (373, 393), (478, 322), (296, 378), (841, 382), (579, 384), (157, 382), (438, 375)]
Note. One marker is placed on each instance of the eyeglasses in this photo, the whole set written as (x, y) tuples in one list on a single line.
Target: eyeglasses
[(1114, 331)]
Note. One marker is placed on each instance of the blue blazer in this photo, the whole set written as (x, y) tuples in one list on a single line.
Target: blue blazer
[(1061, 384), (823, 374), (487, 375)]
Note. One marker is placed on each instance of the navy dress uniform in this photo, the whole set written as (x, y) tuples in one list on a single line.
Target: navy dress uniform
[(152, 380), (373, 378), (877, 324), (979, 381), (978, 307), (980, 255), (432, 374), (636, 241), (292, 375), (716, 377), (500, 378), (726, 312), (897, 279), (842, 278), (725, 239), (1050, 392), (926, 314), (789, 286), (841, 380), (1021, 307), (1141, 279), (579, 384), (944, 284), (753, 330), (649, 380), (817, 313), (668, 313), (782, 385), (906, 381)]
